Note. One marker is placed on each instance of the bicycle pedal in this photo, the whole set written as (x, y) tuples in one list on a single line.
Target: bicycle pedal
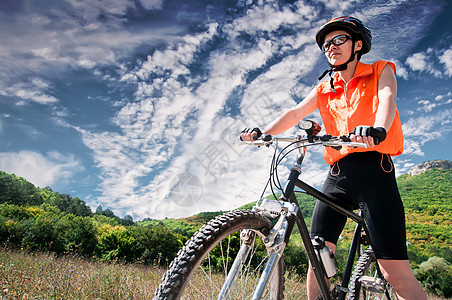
[(373, 284)]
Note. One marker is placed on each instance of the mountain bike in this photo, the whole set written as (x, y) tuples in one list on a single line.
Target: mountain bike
[(240, 254)]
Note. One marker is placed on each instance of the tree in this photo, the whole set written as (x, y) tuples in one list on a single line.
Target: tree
[(42, 234), (16, 190), (107, 212), (78, 207), (126, 221)]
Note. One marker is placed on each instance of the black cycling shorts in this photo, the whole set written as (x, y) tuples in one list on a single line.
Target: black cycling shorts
[(364, 180)]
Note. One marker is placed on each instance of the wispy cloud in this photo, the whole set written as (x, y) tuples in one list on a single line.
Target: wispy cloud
[(177, 128), (47, 43), (193, 92), (35, 90), (177, 124)]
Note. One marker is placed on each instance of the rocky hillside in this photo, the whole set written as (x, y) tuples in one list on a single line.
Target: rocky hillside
[(430, 165)]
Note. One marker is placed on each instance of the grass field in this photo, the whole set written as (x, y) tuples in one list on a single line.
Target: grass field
[(43, 276)]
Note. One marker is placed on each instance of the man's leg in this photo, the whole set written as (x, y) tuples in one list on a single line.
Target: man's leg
[(400, 276)]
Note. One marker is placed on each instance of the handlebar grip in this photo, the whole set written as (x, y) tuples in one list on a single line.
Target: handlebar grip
[(345, 138), (267, 137), (250, 130)]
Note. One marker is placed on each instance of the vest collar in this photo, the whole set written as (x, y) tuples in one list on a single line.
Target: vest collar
[(362, 70)]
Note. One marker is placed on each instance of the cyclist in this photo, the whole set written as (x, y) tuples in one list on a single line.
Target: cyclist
[(360, 100)]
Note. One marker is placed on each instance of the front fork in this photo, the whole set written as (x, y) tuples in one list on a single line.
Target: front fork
[(275, 242)]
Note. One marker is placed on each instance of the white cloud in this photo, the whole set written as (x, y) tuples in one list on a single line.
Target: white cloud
[(417, 62), (151, 127), (35, 90), (400, 69), (39, 169), (152, 4), (428, 60), (178, 128), (439, 102), (446, 59), (402, 165), (426, 106), (339, 6), (269, 17)]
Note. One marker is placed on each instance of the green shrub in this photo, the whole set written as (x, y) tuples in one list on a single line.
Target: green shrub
[(117, 245), (295, 257), (42, 234), (157, 244), (78, 233), (435, 274)]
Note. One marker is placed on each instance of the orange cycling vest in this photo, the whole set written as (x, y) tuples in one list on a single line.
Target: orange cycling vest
[(353, 105)]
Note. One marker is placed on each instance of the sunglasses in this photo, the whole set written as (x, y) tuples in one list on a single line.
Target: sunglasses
[(337, 41)]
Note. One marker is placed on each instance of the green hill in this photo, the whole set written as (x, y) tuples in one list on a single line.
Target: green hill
[(39, 219), (427, 199), (428, 208)]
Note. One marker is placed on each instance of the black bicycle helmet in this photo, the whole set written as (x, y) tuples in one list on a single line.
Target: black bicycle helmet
[(352, 25)]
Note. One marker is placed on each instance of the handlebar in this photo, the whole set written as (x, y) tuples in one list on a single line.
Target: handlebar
[(325, 140), (299, 143)]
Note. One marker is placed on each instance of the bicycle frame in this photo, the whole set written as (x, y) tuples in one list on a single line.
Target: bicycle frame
[(288, 194), (280, 234)]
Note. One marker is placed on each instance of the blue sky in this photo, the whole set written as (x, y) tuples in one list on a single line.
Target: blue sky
[(134, 104)]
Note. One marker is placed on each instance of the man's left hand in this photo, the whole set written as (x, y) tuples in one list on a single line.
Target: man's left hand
[(369, 135)]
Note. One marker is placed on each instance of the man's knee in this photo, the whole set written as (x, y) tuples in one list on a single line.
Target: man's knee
[(397, 272)]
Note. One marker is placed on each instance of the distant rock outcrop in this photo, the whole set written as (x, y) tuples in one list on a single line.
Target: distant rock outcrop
[(429, 165)]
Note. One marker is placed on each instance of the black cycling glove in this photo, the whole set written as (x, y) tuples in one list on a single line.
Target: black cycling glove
[(378, 133), (258, 131)]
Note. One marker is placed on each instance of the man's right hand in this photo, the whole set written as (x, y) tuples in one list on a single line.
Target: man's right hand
[(250, 134)]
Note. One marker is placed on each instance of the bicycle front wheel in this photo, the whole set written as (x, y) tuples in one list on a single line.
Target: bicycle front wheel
[(366, 283), (202, 265)]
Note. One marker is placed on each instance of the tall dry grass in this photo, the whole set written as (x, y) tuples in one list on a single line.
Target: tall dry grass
[(44, 276)]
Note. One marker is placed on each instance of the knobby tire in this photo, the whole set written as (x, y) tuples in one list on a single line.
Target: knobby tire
[(198, 271), (366, 266)]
